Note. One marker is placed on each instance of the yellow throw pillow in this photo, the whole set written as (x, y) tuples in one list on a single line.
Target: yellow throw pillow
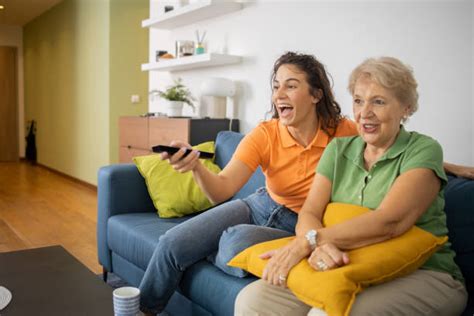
[(335, 290), (174, 194)]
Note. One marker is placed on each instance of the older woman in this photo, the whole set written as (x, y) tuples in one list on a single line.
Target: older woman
[(397, 174)]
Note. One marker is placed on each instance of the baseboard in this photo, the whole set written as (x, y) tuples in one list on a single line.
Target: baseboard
[(78, 181)]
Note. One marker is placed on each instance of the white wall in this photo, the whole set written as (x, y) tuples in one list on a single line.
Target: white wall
[(434, 37), (13, 36)]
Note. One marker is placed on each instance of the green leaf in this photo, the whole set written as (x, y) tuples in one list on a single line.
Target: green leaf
[(177, 92)]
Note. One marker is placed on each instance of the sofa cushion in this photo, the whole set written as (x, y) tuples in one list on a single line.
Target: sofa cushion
[(135, 236), (459, 196), (203, 283), (226, 143)]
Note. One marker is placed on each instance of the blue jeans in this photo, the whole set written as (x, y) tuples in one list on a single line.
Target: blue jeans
[(218, 234)]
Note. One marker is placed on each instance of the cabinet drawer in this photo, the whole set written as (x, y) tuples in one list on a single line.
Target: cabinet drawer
[(133, 132), (163, 130), (126, 154)]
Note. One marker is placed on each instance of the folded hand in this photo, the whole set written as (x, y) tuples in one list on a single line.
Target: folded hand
[(327, 257), (281, 261)]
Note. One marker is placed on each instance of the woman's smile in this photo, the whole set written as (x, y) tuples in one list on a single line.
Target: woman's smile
[(285, 110), (370, 128)]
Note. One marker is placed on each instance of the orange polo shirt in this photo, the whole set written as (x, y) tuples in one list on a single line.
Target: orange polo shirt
[(289, 167)]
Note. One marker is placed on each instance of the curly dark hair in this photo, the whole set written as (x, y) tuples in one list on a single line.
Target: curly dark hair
[(328, 110)]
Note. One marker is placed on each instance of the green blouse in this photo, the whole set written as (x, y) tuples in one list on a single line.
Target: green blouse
[(343, 164)]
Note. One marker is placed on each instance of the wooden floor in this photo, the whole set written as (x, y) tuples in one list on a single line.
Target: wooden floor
[(41, 208)]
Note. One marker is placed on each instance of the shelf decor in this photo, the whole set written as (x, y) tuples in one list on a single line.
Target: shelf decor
[(189, 14), (192, 62)]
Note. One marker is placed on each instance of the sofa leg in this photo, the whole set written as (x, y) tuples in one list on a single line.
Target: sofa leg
[(104, 274)]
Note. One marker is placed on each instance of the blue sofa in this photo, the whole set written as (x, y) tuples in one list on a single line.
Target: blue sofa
[(128, 229)]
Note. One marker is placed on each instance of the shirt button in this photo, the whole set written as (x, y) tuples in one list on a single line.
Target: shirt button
[(360, 197), (369, 177)]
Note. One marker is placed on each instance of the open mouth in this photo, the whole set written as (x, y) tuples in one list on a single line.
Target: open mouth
[(369, 128), (285, 110)]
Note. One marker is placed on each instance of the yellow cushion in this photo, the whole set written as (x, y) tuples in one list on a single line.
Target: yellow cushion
[(335, 290), (174, 194)]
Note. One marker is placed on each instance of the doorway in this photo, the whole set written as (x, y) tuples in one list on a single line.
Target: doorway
[(9, 145)]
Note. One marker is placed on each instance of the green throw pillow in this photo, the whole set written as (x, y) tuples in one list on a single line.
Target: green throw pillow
[(174, 194)]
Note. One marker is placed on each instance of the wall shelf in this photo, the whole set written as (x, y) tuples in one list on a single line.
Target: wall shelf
[(192, 13), (192, 62)]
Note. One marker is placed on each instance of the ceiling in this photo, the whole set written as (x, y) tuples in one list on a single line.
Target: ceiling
[(20, 12)]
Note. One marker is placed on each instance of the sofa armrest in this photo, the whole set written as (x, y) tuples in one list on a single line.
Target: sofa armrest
[(459, 197), (120, 189)]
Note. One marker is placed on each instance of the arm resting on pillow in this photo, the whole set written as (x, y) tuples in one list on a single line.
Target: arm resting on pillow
[(311, 214), (282, 260), (409, 197)]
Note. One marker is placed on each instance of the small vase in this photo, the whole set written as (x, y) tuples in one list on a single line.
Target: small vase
[(199, 49), (173, 108)]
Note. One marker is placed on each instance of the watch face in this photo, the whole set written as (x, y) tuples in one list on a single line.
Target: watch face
[(311, 237)]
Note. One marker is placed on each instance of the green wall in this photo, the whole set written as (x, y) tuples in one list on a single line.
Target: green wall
[(128, 49), (71, 78)]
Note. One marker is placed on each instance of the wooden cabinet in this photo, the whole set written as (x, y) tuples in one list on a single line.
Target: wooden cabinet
[(164, 130), (137, 135), (133, 132)]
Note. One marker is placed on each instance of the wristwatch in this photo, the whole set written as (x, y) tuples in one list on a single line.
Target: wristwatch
[(311, 236)]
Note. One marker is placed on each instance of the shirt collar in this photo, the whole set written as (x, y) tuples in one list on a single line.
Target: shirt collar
[(355, 153), (320, 140), (400, 144)]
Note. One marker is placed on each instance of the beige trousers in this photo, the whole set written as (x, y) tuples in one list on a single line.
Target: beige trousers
[(423, 292)]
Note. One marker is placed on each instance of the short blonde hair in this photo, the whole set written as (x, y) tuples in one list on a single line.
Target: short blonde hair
[(391, 74)]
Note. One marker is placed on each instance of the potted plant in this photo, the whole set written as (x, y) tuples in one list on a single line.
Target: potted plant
[(175, 96)]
